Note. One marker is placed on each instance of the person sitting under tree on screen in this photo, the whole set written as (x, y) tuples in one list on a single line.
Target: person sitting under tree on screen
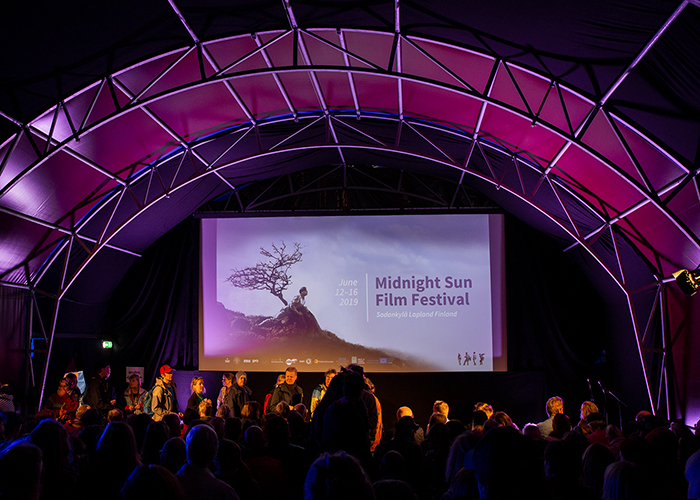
[(299, 301)]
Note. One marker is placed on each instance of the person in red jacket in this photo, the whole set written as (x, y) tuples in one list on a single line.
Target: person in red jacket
[(60, 405)]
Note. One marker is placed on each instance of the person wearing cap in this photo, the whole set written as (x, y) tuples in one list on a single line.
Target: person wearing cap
[(99, 393), (164, 398)]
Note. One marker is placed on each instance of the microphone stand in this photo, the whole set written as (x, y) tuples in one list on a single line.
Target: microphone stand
[(590, 389), (620, 404)]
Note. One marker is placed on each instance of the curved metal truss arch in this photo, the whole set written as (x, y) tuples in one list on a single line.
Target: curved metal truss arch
[(325, 95)]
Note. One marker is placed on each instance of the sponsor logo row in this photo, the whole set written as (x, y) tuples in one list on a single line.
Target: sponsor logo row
[(315, 361)]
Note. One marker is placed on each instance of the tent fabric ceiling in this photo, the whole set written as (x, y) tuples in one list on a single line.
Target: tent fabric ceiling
[(117, 121)]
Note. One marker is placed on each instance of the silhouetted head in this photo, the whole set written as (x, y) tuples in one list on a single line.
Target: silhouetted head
[(337, 477), (202, 444)]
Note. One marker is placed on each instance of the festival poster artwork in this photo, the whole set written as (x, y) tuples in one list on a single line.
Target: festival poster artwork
[(413, 294)]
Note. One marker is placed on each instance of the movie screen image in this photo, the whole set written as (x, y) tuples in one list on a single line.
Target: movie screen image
[(398, 293)]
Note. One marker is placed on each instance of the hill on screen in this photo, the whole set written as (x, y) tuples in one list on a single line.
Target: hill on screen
[(296, 332)]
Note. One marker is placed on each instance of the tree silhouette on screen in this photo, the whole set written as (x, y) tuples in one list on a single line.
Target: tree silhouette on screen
[(271, 274)]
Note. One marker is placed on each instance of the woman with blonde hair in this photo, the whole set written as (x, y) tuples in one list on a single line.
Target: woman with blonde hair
[(485, 407), (205, 410), (587, 407), (197, 396)]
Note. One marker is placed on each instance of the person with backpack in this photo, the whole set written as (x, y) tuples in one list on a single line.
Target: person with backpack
[(164, 394)]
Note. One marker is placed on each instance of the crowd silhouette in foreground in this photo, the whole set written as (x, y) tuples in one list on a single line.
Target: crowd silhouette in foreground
[(346, 450)]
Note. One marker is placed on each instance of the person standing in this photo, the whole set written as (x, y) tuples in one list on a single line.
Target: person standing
[(197, 396), (268, 396), (99, 393), (239, 394), (224, 397), (133, 395), (368, 398), (288, 391), (164, 399), (377, 437), (320, 390), (345, 425)]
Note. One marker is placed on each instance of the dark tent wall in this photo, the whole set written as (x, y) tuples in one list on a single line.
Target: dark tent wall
[(14, 339), (558, 331), (683, 336), (153, 317)]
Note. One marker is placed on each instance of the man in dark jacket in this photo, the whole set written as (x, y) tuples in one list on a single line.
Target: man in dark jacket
[(287, 391), (239, 394), (99, 393)]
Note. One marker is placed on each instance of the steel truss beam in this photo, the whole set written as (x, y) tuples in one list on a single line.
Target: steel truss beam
[(372, 143), (474, 141), (266, 196), (650, 196)]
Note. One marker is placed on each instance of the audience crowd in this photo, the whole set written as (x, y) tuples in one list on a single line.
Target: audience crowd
[(341, 449)]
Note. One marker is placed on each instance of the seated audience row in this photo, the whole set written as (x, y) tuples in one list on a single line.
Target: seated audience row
[(342, 452)]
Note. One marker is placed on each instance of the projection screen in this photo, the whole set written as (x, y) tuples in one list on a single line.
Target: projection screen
[(398, 293)]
